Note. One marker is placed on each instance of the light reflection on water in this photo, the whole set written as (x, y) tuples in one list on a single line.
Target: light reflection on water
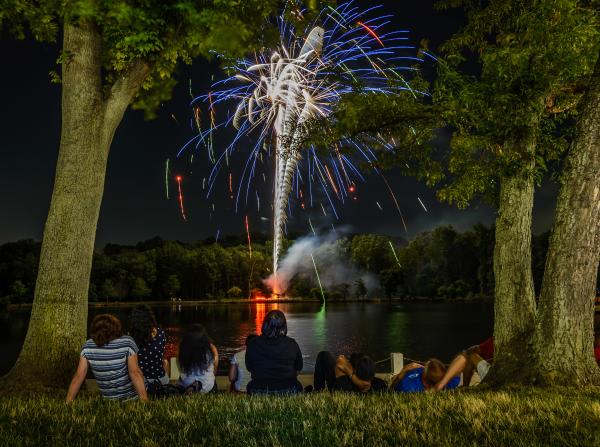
[(419, 330)]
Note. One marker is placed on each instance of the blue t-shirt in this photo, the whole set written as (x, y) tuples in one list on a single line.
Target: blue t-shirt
[(413, 382), (109, 365)]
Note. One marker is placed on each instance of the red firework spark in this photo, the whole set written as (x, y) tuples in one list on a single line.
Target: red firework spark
[(372, 33), (178, 178)]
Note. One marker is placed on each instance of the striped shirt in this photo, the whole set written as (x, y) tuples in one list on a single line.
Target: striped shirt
[(109, 365)]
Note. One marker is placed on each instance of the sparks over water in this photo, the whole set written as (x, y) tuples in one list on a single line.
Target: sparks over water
[(281, 91)]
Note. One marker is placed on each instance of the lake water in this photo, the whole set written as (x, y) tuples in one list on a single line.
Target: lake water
[(418, 330)]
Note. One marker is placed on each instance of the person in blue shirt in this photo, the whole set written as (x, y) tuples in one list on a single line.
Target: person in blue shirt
[(416, 377)]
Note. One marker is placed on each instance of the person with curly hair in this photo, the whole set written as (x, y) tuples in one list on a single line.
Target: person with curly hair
[(113, 359), (151, 341)]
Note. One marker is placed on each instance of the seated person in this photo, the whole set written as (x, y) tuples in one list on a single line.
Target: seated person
[(151, 341), (239, 376), (198, 360), (416, 377), (114, 362), (466, 363), (274, 359), (356, 374)]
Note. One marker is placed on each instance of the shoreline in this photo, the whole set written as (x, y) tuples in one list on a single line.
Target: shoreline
[(188, 303)]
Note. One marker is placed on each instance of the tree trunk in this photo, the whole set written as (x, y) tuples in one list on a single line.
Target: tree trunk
[(58, 324), (514, 305), (564, 330)]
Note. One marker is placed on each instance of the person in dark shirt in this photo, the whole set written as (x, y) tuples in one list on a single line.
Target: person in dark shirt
[(356, 374), (274, 359), (151, 341)]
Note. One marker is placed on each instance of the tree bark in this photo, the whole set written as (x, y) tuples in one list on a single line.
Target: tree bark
[(514, 305), (58, 324), (564, 329)]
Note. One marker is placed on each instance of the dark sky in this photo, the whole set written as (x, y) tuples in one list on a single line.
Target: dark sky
[(134, 206)]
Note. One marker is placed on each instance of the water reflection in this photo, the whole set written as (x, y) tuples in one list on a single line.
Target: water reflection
[(419, 330)]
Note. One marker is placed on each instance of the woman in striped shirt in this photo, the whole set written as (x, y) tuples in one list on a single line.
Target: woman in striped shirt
[(113, 360)]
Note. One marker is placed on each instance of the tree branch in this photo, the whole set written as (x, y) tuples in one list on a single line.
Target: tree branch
[(124, 89)]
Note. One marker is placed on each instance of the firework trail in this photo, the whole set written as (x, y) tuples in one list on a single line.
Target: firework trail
[(318, 279), (248, 234), (281, 91), (178, 178), (395, 255)]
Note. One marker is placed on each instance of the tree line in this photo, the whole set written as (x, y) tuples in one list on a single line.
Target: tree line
[(437, 264)]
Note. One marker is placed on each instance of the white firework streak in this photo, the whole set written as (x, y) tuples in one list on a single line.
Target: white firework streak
[(279, 95)]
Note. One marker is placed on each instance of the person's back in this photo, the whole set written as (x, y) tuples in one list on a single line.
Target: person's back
[(273, 358), (198, 360), (109, 366), (275, 361), (151, 341)]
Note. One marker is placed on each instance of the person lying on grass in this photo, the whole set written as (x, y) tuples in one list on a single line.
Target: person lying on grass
[(198, 361), (466, 363), (356, 374), (415, 377), (113, 359)]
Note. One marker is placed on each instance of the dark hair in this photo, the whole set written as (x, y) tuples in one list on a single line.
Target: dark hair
[(250, 337), (105, 328), (363, 366), (141, 323), (194, 349), (274, 324), (434, 371)]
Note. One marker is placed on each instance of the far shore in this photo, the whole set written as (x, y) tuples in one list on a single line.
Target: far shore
[(187, 303)]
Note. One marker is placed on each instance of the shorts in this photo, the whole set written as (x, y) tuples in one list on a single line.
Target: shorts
[(483, 367)]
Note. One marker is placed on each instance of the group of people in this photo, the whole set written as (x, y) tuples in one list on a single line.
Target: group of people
[(134, 366)]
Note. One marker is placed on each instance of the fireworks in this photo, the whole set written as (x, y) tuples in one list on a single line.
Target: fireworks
[(318, 279), (279, 92), (248, 234), (178, 178)]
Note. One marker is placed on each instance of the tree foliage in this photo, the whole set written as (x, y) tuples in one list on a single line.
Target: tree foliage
[(529, 62), (160, 33)]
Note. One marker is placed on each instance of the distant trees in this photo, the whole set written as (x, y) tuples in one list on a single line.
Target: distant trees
[(438, 264)]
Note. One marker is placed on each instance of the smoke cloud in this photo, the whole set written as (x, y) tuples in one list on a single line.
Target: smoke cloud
[(332, 257)]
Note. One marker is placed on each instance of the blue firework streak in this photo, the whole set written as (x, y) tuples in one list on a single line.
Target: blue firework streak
[(279, 92)]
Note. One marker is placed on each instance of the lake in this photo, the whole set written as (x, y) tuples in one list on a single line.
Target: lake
[(418, 330)]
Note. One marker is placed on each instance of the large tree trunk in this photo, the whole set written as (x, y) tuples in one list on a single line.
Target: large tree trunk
[(58, 324), (564, 330), (514, 305)]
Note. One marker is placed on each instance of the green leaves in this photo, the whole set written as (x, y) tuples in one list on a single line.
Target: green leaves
[(164, 33)]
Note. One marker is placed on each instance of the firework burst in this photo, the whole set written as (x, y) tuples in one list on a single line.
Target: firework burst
[(279, 92)]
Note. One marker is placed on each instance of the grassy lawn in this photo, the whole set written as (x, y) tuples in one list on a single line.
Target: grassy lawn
[(472, 417)]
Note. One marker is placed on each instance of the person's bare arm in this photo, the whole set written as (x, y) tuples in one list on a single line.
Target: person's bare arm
[(343, 367), (78, 379), (215, 354), (398, 377), (233, 372), (137, 377)]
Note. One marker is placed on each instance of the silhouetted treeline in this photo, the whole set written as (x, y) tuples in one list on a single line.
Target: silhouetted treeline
[(437, 264)]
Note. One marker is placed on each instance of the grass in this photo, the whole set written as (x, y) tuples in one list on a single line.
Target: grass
[(471, 417)]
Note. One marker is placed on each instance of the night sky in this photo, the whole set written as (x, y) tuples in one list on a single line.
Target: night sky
[(134, 206)]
